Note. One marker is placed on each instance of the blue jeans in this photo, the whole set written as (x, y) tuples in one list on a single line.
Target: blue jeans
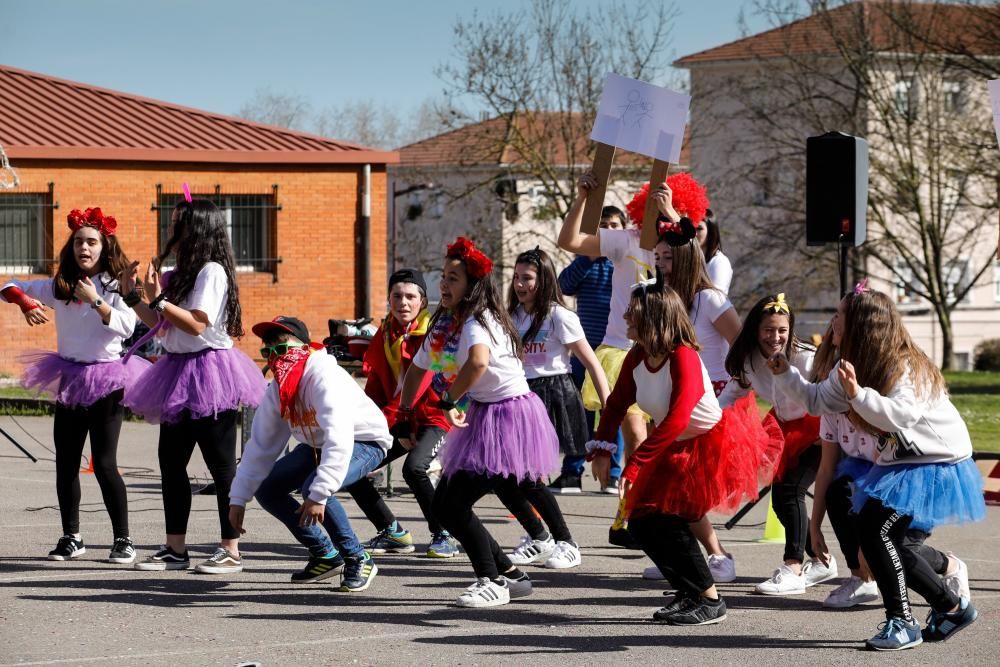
[(573, 465), (296, 470)]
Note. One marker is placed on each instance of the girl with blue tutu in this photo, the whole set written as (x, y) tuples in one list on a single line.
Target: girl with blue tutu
[(87, 375), (195, 390), (893, 410), (502, 439), (550, 333)]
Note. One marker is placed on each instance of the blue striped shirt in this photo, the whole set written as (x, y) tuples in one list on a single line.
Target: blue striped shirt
[(590, 282)]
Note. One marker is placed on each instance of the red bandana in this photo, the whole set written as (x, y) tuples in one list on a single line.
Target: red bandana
[(288, 370)]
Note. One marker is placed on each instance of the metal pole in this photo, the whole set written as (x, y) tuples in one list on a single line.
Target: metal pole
[(366, 239)]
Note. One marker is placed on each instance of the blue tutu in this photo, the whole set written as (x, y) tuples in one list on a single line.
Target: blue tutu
[(852, 468), (932, 493)]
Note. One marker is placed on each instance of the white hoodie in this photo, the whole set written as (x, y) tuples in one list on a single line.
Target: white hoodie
[(336, 413)]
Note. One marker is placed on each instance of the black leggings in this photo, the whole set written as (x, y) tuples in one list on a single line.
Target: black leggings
[(103, 421), (453, 502), (788, 497), (216, 437), (535, 494), (670, 544), (898, 563), (418, 460)]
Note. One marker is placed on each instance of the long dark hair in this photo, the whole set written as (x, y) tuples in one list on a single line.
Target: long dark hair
[(713, 238), (746, 342), (546, 293), (662, 322), (113, 261), (199, 236), (481, 296)]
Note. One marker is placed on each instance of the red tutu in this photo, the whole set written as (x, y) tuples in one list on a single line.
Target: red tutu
[(715, 472), (800, 435)]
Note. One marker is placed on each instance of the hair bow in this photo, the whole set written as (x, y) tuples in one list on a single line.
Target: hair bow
[(187, 192), (92, 217), (779, 305), (652, 283), (477, 264), (861, 286)]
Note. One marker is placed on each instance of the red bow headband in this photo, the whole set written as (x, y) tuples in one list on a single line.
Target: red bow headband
[(689, 198), (477, 264), (92, 217)]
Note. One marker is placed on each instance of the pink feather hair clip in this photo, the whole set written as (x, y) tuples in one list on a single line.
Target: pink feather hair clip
[(187, 192)]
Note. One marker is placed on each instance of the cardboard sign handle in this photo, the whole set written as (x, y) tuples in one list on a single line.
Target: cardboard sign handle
[(649, 236), (603, 159)]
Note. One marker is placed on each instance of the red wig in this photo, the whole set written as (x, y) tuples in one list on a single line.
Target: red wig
[(690, 199)]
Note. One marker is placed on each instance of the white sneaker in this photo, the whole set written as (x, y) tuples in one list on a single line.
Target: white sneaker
[(565, 556), (723, 568), (518, 588), (652, 572), (532, 552), (851, 593), (815, 572), (484, 593), (958, 582), (783, 582)]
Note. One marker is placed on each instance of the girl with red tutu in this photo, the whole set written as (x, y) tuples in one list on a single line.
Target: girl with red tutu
[(87, 375), (892, 412), (770, 328), (698, 457), (503, 440), (195, 390)]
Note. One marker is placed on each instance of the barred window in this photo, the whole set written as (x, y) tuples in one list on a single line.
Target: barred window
[(25, 232), (251, 220)]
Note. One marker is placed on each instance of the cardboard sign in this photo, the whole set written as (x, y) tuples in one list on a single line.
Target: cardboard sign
[(994, 86), (641, 118)]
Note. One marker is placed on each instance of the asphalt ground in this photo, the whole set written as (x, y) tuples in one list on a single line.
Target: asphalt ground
[(90, 612)]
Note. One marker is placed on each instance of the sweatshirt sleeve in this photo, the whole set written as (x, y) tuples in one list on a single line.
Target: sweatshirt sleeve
[(331, 397), (571, 277), (732, 393), (822, 398), (122, 319), (40, 290), (688, 386), (898, 411), (621, 399), (269, 434)]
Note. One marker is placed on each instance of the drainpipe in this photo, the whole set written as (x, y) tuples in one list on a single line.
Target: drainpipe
[(366, 240)]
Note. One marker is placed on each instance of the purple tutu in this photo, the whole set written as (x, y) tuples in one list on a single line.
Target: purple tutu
[(202, 383), (76, 383), (510, 437)]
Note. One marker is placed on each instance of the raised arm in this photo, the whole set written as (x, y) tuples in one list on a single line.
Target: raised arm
[(571, 238)]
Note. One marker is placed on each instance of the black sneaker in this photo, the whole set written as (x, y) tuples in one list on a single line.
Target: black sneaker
[(318, 569), (566, 484), (661, 615), (698, 612), (165, 559), (942, 626), (620, 537), (358, 573), (67, 548), (122, 551)]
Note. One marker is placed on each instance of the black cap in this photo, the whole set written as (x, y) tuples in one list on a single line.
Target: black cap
[(284, 324), (408, 276)]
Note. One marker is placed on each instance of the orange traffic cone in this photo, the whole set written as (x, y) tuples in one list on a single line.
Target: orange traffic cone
[(90, 466)]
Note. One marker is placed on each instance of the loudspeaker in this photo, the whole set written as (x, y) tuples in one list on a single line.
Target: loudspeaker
[(836, 189)]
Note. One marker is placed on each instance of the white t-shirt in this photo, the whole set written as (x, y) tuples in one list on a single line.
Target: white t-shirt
[(632, 264), (81, 335), (504, 377), (708, 306), (720, 270), (653, 389), (547, 355), (209, 296), (838, 428), (786, 406)]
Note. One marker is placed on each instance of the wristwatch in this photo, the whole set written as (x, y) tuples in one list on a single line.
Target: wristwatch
[(97, 304)]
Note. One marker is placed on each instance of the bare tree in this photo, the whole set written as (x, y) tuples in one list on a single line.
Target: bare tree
[(382, 125), (900, 75), (278, 109)]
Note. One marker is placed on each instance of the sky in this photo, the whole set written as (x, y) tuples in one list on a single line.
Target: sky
[(215, 54)]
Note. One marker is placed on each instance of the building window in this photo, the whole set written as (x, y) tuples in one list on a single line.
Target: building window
[(506, 191), (251, 220), (25, 232), (956, 279), (905, 94), (952, 98), (906, 294)]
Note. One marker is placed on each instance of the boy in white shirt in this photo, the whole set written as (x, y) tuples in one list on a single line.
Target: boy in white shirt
[(343, 436)]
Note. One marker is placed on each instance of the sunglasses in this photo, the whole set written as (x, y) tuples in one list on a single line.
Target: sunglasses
[(278, 350)]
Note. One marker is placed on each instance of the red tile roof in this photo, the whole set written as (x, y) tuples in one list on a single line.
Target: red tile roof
[(48, 118), (485, 143), (948, 27)]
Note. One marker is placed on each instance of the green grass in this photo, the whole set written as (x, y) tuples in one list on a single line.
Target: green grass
[(15, 392)]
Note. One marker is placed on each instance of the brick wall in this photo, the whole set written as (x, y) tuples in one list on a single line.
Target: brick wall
[(316, 235)]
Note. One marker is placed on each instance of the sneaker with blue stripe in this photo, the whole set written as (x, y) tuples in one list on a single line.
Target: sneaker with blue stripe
[(442, 545), (941, 626), (895, 634)]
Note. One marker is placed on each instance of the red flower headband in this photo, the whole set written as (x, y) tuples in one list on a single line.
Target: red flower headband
[(690, 199), (92, 217), (476, 263)]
